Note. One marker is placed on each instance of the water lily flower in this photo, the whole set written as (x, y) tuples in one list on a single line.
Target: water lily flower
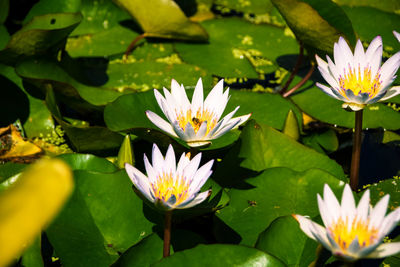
[(397, 35), (198, 122), (359, 79), (170, 186), (352, 232)]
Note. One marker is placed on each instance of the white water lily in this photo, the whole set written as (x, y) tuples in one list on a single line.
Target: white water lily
[(168, 185), (359, 79), (397, 35), (198, 122), (352, 232)]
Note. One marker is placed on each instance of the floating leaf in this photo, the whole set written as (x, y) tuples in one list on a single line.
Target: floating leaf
[(40, 35), (170, 22), (30, 205), (316, 23), (220, 255), (263, 147), (44, 7), (275, 192), (238, 48), (84, 235), (322, 141), (285, 240)]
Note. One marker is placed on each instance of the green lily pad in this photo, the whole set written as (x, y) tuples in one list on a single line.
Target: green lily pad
[(4, 36), (368, 31), (84, 138), (88, 162), (318, 24), (253, 7), (37, 122), (170, 22), (39, 36), (384, 5), (327, 109), (382, 188), (100, 44), (263, 147), (285, 240), (220, 255), (148, 251), (84, 234), (322, 141), (4, 7), (44, 7), (32, 257), (238, 48), (275, 192), (98, 16)]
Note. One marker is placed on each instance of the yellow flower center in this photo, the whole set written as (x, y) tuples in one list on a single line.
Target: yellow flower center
[(344, 235), (358, 84), (196, 119), (167, 185)]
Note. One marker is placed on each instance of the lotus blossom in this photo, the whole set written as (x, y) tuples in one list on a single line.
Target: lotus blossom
[(397, 35), (198, 122), (359, 79), (352, 232), (170, 186)]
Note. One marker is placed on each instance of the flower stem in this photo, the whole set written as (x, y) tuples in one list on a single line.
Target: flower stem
[(167, 233), (355, 158), (295, 69), (303, 81), (132, 45)]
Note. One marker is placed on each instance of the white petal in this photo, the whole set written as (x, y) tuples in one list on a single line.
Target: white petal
[(170, 161), (345, 55), (198, 98), (227, 127), (389, 68), (333, 68), (160, 123), (385, 250), (313, 230), (219, 109), (378, 213), (397, 35), (363, 206), (321, 62), (190, 133), (224, 121), (214, 96), (197, 200), (375, 44), (375, 61), (390, 222), (328, 77), (192, 167), (140, 181), (182, 163), (179, 94), (328, 91), (331, 203), (395, 90), (200, 135), (201, 177), (324, 211), (348, 205), (157, 159), (164, 106), (359, 58)]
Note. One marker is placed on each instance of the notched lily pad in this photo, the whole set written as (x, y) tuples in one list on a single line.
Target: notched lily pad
[(43, 35)]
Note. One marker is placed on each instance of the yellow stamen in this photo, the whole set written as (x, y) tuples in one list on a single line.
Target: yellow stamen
[(344, 235), (357, 84), (166, 186), (197, 119)]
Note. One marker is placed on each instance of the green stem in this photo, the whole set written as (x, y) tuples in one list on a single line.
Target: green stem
[(295, 69), (355, 158), (303, 81), (132, 45), (167, 233)]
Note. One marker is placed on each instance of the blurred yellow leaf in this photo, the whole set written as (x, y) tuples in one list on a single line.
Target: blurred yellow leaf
[(30, 205)]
